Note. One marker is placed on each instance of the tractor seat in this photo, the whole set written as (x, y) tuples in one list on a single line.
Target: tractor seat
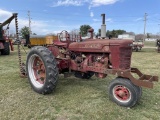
[(58, 43)]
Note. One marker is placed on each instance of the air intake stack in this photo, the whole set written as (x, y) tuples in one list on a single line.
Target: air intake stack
[(103, 27)]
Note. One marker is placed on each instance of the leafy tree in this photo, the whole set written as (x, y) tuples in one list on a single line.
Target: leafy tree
[(148, 35), (113, 33), (34, 34), (108, 33), (99, 32), (120, 32), (84, 29), (24, 31)]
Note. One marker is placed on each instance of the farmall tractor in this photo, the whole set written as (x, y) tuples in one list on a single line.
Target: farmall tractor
[(5, 42), (70, 55)]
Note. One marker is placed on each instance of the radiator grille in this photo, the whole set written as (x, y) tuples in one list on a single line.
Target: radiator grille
[(125, 57)]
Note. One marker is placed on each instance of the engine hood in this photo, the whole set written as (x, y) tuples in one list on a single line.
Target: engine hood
[(97, 45)]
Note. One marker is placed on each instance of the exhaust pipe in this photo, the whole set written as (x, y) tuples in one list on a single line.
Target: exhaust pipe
[(103, 27)]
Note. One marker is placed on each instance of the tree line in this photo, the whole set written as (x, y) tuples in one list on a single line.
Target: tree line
[(83, 30), (112, 33)]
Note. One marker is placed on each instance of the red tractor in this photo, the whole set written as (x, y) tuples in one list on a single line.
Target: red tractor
[(5, 42), (70, 55)]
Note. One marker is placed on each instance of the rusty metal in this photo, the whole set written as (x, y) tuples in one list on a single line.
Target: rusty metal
[(90, 31), (39, 70), (3, 37), (122, 93), (85, 58), (11, 45), (1, 46), (143, 80), (137, 46), (8, 20), (21, 65), (100, 56)]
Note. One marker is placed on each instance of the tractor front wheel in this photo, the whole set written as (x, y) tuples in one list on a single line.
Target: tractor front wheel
[(42, 70), (123, 92)]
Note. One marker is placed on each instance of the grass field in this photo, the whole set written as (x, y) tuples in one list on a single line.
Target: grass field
[(149, 43), (75, 99)]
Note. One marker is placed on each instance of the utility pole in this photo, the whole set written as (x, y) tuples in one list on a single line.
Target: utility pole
[(103, 27), (29, 18), (159, 30), (145, 19)]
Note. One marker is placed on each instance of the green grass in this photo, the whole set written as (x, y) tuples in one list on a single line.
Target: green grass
[(150, 43), (75, 99)]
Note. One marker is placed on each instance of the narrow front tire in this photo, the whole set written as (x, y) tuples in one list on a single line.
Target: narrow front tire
[(123, 92)]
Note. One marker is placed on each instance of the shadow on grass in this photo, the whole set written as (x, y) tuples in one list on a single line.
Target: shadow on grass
[(97, 84)]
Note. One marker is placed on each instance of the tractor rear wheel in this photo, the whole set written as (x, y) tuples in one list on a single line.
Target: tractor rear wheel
[(123, 92), (42, 70), (6, 50)]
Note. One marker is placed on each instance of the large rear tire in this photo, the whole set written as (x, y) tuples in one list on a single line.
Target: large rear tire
[(42, 70), (6, 50), (123, 92)]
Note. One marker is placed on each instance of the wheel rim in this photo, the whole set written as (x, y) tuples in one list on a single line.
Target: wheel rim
[(122, 93), (36, 71)]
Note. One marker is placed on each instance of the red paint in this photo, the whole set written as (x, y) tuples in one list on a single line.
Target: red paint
[(1, 45), (11, 45), (121, 93), (107, 56), (39, 70), (115, 52)]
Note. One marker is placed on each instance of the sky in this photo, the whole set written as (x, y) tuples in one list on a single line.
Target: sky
[(53, 16)]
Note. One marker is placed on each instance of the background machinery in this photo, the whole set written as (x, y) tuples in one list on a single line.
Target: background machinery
[(5, 42), (35, 40)]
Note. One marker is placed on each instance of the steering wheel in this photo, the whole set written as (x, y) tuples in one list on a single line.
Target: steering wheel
[(64, 36)]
